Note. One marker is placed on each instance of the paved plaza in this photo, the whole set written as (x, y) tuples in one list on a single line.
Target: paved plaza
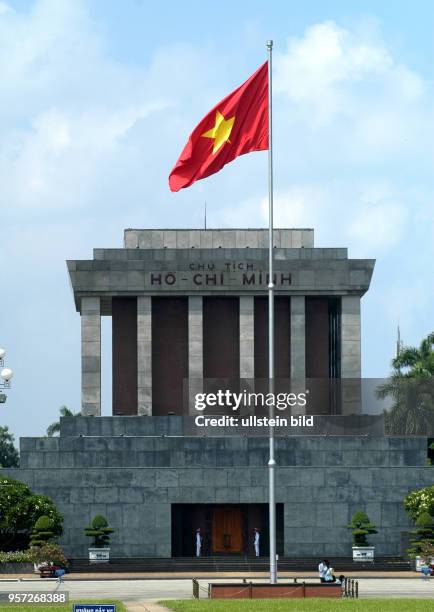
[(152, 590)]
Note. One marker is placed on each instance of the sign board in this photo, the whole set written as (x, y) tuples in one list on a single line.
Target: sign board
[(83, 607)]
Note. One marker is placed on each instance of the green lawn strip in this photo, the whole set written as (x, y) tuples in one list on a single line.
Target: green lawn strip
[(300, 605), (120, 607)]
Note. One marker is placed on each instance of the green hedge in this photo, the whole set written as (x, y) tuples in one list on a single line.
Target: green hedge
[(16, 556)]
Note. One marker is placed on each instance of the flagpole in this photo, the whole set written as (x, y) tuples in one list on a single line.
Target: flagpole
[(271, 461)]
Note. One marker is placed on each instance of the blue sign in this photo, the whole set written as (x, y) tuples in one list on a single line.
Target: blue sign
[(94, 608)]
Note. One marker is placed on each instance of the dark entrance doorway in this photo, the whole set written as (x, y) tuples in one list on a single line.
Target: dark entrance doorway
[(227, 529)]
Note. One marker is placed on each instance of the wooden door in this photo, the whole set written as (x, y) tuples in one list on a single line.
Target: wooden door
[(226, 530)]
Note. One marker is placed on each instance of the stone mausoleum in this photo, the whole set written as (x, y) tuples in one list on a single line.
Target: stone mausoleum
[(189, 306)]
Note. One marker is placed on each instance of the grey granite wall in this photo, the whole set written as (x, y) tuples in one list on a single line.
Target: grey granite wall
[(179, 452), (134, 479), (215, 238)]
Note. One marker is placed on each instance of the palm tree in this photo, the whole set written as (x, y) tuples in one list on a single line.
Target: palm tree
[(54, 428), (411, 387)]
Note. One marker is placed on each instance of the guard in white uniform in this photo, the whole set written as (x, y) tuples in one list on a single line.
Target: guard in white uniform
[(256, 541), (198, 543)]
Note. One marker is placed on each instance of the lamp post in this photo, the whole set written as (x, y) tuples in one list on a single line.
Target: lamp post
[(6, 375)]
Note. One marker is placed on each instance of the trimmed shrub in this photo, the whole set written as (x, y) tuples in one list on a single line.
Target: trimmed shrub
[(99, 531), (422, 539), (42, 531), (361, 528)]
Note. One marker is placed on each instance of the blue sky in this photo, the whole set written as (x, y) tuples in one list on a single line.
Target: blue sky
[(97, 100)]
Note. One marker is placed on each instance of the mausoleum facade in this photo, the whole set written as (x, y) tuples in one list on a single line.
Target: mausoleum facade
[(187, 307)]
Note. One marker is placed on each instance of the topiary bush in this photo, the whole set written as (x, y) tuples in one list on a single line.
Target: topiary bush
[(361, 528), (43, 531), (422, 539), (99, 531)]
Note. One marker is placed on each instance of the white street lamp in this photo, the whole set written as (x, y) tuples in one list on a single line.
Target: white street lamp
[(6, 376)]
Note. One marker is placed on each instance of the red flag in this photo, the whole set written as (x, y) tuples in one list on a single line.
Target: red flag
[(237, 125)]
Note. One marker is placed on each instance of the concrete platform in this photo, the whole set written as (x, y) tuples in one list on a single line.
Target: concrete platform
[(153, 590)]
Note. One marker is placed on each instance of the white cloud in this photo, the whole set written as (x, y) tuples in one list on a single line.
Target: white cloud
[(347, 83), (326, 56), (5, 8), (72, 118), (354, 127), (59, 158)]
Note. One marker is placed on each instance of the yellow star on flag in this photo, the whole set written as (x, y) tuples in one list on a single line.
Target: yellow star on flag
[(221, 131)]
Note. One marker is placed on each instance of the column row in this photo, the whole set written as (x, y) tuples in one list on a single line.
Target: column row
[(91, 345)]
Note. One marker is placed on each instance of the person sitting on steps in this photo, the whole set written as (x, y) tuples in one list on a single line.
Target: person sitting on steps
[(322, 567), (328, 574)]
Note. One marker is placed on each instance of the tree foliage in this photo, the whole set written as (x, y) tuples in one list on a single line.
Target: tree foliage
[(419, 501), (411, 388), (20, 508), (99, 531), (427, 551), (9, 456), (361, 528), (54, 428)]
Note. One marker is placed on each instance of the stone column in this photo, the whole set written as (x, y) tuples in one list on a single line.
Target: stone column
[(350, 354), (350, 334), (247, 346), (298, 337), (298, 348), (144, 355), (195, 348), (90, 356)]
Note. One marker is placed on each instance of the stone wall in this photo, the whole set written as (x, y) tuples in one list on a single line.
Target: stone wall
[(134, 479), (216, 238)]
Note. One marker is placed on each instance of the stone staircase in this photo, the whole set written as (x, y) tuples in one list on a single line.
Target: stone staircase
[(223, 564)]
